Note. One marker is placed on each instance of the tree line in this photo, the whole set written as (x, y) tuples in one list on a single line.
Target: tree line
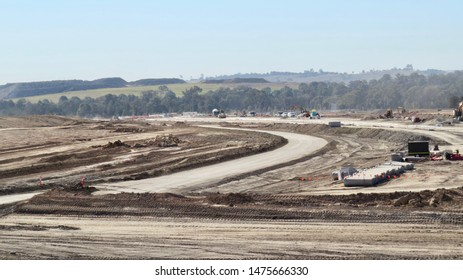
[(412, 91)]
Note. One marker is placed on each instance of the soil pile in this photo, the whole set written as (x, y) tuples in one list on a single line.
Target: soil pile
[(230, 198), (129, 129), (67, 191), (427, 198), (443, 198), (115, 144), (147, 197), (164, 141)]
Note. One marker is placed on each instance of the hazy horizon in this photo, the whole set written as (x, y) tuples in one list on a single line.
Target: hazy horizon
[(87, 40)]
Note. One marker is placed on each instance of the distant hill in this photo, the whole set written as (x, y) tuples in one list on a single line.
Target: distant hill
[(321, 76), (19, 90), (156, 82), (236, 81)]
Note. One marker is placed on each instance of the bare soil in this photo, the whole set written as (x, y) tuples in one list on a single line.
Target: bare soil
[(73, 224), (62, 151), (77, 201), (348, 146), (269, 214)]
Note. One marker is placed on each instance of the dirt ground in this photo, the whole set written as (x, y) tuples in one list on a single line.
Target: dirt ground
[(293, 211), (73, 224), (62, 151)]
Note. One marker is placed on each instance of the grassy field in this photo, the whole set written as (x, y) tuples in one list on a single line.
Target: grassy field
[(177, 88)]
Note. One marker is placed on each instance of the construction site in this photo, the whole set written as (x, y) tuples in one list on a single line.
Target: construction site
[(328, 185)]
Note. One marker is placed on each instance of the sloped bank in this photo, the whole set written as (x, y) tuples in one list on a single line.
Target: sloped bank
[(360, 132)]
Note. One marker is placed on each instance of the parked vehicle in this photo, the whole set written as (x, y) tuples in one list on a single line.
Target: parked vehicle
[(291, 114), (457, 113)]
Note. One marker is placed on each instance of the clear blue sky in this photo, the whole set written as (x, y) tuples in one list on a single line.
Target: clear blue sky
[(50, 40)]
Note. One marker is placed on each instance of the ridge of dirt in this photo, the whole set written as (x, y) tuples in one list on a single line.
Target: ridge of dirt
[(424, 204), (34, 227), (40, 121)]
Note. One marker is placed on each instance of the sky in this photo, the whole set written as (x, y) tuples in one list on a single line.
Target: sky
[(56, 40)]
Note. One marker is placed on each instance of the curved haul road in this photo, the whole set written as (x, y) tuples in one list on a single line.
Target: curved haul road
[(298, 146)]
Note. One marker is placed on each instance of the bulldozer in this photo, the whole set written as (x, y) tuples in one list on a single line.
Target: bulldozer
[(387, 115), (457, 113)]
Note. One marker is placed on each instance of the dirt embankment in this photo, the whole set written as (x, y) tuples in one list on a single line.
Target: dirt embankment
[(39, 121), (443, 206), (358, 132)]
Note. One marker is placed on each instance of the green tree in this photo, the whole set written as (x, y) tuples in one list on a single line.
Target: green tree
[(191, 98)]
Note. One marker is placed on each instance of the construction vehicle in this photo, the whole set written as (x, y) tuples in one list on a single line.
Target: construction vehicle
[(222, 115), (387, 115), (218, 113), (401, 110), (291, 114), (314, 114), (416, 119), (453, 156), (302, 111), (457, 113)]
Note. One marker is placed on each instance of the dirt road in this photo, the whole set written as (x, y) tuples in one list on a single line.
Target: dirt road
[(12, 198), (194, 180), (52, 237)]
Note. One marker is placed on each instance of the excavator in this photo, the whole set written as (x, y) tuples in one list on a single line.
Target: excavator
[(299, 108), (306, 113), (457, 113)]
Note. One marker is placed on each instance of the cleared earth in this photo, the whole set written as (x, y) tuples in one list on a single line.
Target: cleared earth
[(266, 213), (62, 151)]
